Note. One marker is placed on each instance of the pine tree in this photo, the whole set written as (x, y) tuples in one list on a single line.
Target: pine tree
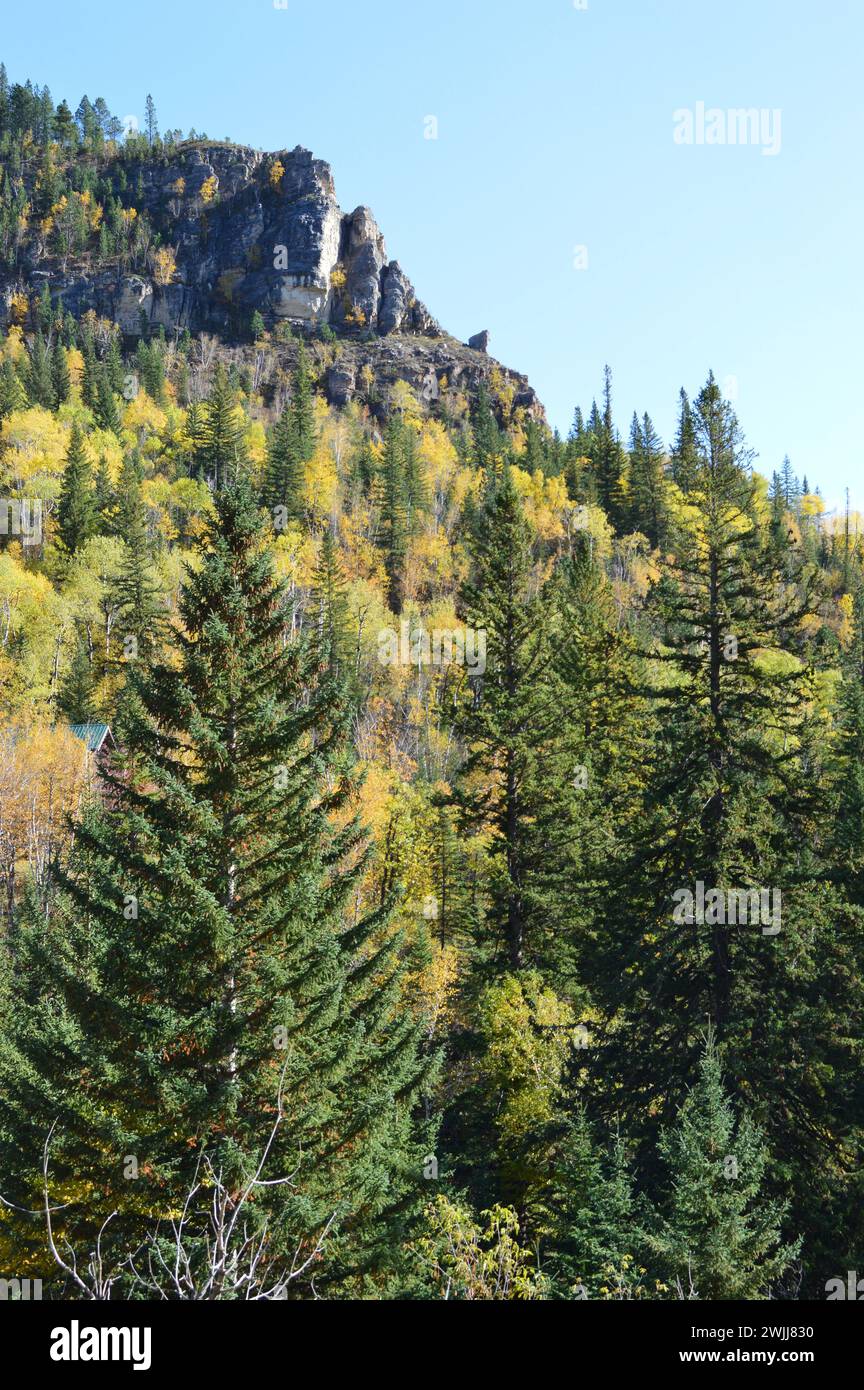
[(648, 505), (77, 694), (40, 386), (126, 497), (12, 393), (416, 491), (848, 767), (595, 1236), (608, 460), (507, 785), (488, 441), (602, 744), (290, 447), (45, 311), (151, 125), (790, 486), (205, 962), (76, 508), (684, 455), (719, 1237), (103, 496), (138, 597), (222, 450), (90, 379), (107, 414), (60, 378), (330, 617)]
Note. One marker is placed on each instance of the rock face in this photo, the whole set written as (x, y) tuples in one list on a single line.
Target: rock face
[(248, 237), (480, 341), (253, 232)]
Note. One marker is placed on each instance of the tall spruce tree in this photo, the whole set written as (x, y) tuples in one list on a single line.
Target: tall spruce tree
[(685, 464), (330, 616), (649, 511), (205, 968), (141, 615), (608, 460), (40, 383), (221, 449), (290, 447), (508, 781), (76, 508)]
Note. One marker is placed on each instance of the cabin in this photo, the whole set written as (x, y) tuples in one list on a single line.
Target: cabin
[(98, 742)]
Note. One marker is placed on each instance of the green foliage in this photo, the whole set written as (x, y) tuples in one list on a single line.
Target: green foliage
[(719, 1238)]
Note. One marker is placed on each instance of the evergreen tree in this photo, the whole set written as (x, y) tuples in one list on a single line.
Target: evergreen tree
[(13, 396), (77, 694), (135, 590), (107, 413), (205, 971), (45, 311), (60, 378), (609, 463), (720, 1237), (415, 488), (151, 125), (290, 447), (222, 450), (790, 487), (331, 618), (649, 509), (508, 786), (684, 455), (76, 508), (488, 441), (595, 1235), (103, 496), (40, 386)]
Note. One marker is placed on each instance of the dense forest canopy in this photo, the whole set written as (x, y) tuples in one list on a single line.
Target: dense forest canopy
[(467, 901)]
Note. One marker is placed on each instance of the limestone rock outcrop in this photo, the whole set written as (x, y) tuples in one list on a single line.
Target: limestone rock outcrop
[(247, 233)]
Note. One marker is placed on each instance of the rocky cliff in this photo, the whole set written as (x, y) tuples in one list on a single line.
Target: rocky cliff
[(244, 232)]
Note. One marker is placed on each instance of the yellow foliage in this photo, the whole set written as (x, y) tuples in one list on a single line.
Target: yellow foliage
[(144, 416), (404, 402), (13, 347), (321, 484), (164, 266), (19, 307), (32, 441), (209, 188), (529, 1033)]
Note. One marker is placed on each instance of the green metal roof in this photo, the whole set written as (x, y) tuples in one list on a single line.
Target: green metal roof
[(94, 735)]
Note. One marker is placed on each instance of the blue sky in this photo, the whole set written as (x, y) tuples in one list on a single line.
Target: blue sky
[(555, 131)]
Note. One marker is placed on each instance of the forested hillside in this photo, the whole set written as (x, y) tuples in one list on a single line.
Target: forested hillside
[(467, 899)]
